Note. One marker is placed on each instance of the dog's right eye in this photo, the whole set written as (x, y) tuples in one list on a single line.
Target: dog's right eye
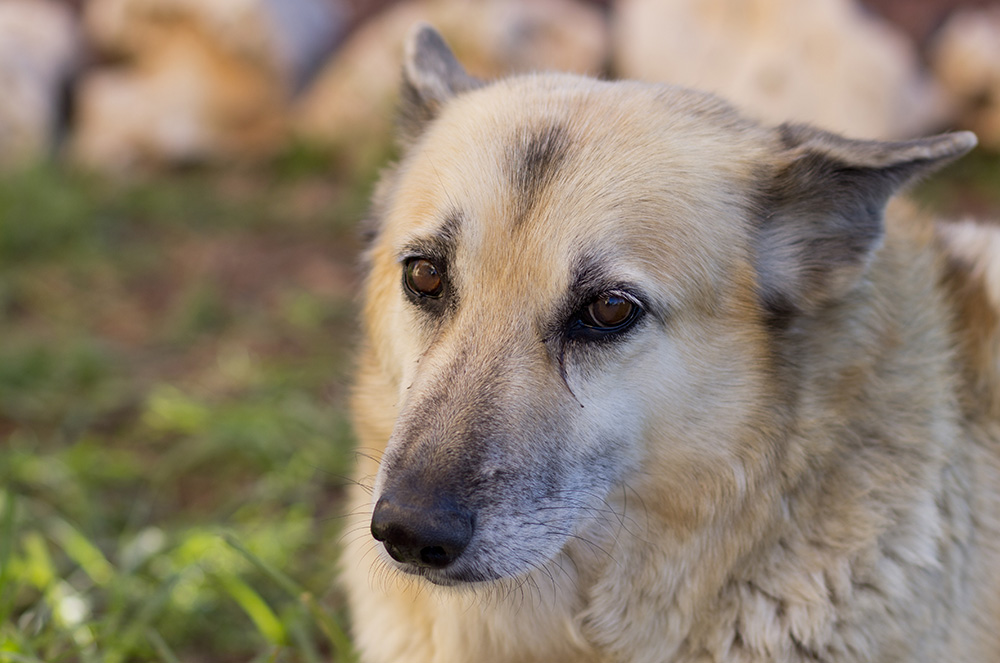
[(423, 278)]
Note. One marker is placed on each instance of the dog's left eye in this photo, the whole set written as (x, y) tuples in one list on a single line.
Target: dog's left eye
[(605, 315), (608, 312)]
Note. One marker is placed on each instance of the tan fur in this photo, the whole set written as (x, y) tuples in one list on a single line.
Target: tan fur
[(721, 485)]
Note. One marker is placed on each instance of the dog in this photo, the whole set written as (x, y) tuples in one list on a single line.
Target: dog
[(645, 381)]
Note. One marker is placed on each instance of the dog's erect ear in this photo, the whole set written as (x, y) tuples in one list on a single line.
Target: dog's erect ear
[(821, 212), (431, 76)]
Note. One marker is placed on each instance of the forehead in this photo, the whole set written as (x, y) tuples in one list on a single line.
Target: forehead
[(645, 176)]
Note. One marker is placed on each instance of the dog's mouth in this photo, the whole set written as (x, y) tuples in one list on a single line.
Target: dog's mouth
[(449, 577), (448, 559), (436, 567)]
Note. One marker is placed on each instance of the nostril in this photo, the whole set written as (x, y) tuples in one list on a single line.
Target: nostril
[(436, 557), (429, 537)]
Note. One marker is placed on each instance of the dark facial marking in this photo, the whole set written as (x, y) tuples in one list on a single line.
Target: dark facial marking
[(441, 244), (591, 283), (449, 428), (534, 162)]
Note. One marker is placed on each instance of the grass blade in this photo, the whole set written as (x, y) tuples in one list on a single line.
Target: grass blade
[(6, 553), (125, 640), (82, 551), (161, 646), (281, 578), (303, 639), (256, 608), (331, 629)]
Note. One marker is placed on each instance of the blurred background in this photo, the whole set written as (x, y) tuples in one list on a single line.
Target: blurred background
[(181, 183)]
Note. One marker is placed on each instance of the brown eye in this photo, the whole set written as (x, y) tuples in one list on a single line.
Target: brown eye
[(609, 312), (423, 278)]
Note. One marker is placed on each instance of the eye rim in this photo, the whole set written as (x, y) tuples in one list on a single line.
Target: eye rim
[(584, 326), (412, 289)]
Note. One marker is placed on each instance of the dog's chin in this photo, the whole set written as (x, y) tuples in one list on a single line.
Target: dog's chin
[(457, 577), (447, 578)]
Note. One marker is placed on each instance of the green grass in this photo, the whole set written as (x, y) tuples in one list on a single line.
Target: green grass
[(173, 436)]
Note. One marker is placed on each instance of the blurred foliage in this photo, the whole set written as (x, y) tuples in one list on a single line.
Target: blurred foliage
[(967, 187), (173, 434)]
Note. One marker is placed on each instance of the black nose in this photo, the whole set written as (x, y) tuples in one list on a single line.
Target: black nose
[(426, 536)]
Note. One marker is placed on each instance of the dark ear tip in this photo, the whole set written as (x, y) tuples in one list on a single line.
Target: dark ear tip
[(421, 38), (431, 76), (427, 57)]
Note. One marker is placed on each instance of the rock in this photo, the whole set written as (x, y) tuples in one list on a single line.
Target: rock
[(823, 61), (965, 57), (40, 50), (200, 81), (351, 103)]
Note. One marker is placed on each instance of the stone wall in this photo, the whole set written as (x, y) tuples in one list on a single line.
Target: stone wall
[(159, 83)]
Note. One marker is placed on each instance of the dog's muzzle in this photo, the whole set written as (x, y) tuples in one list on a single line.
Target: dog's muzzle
[(424, 536)]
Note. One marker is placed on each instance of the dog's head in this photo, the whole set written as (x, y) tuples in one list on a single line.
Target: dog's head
[(575, 289)]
